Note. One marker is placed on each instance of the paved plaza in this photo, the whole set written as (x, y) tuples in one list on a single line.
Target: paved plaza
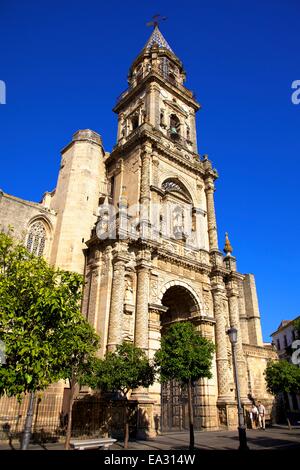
[(279, 438)]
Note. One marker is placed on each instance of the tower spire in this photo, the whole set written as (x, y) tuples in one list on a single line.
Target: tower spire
[(156, 36)]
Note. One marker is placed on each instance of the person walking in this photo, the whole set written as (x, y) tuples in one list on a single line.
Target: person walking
[(254, 416), (261, 415)]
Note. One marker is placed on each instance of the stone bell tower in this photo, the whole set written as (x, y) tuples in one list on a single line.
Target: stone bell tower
[(153, 257)]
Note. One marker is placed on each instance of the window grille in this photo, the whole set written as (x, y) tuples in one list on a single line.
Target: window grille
[(36, 239)]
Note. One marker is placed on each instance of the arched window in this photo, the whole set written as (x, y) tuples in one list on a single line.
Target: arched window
[(174, 126), (36, 238), (173, 185)]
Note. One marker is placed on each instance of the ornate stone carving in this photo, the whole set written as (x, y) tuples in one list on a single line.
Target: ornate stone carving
[(154, 288), (234, 317), (142, 300), (207, 300), (117, 302), (218, 291), (128, 298), (211, 216)]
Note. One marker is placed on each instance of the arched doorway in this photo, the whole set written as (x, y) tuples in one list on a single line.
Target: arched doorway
[(182, 305)]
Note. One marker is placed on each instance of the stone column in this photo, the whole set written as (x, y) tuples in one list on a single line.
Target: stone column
[(219, 297), (233, 301), (142, 312), (211, 215), (153, 105), (146, 426), (141, 333), (116, 303), (243, 315), (193, 130), (145, 185), (206, 389)]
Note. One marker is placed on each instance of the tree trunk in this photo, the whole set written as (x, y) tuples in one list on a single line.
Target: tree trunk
[(126, 425), (286, 409), (73, 387), (28, 423), (191, 415)]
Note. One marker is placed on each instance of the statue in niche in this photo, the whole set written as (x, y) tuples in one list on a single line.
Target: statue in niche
[(123, 125), (162, 119), (128, 299), (102, 226), (188, 133), (178, 222), (143, 116), (105, 221)]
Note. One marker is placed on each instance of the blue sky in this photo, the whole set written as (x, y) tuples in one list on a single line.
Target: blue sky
[(65, 62)]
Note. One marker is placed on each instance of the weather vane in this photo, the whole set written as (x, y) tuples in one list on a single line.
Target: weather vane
[(156, 20)]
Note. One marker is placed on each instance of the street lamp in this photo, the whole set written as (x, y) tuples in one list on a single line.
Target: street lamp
[(232, 333)]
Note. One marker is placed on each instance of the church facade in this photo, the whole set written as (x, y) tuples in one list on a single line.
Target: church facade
[(140, 224)]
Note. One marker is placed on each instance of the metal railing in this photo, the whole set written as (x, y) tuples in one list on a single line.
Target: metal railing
[(91, 416)]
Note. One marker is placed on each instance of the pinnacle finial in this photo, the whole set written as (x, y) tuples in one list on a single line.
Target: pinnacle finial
[(227, 248)]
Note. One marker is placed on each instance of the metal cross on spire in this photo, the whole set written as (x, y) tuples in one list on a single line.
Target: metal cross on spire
[(156, 20)]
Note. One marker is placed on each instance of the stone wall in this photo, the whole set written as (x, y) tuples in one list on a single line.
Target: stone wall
[(20, 214)]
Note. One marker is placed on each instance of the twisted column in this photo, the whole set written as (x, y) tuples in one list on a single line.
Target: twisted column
[(211, 215), (116, 304), (141, 333), (142, 300), (233, 301), (219, 296)]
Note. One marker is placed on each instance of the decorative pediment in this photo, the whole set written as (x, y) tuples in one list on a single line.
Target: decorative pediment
[(176, 108), (136, 107)]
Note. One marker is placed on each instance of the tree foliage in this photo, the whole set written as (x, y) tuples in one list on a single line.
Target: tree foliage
[(297, 326), (184, 354), (41, 325), (125, 369), (282, 376)]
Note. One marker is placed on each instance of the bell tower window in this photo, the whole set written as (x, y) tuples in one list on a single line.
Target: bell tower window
[(172, 78), (174, 127), (135, 122)]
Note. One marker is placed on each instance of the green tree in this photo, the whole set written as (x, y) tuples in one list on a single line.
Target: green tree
[(77, 345), (297, 326), (123, 371), (45, 336), (185, 356), (282, 376)]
